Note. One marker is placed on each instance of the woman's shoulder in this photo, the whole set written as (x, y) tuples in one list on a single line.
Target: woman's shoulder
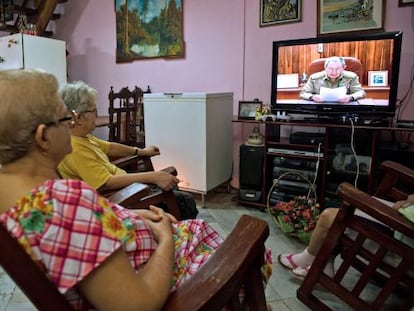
[(71, 191)]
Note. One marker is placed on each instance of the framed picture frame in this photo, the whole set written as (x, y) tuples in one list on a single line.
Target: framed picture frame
[(378, 78), (274, 12), (350, 164), (247, 109), (338, 17), (137, 37), (405, 3)]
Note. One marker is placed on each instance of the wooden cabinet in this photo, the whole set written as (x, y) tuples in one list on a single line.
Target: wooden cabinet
[(326, 161)]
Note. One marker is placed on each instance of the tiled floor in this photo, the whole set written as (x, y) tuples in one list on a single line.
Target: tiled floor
[(222, 213)]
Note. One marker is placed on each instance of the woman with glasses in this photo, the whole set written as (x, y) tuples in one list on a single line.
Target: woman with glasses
[(99, 255), (90, 158), (333, 77)]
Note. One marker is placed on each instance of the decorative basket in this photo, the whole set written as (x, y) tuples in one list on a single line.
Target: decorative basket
[(298, 216)]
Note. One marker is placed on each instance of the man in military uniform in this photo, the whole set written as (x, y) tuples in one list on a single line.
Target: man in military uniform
[(333, 76)]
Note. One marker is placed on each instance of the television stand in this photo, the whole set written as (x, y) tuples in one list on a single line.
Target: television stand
[(323, 151)]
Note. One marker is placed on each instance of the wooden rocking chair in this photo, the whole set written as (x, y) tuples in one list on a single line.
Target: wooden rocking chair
[(235, 264), (389, 263), (126, 116)]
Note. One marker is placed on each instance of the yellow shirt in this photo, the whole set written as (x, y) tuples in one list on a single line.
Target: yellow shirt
[(89, 162)]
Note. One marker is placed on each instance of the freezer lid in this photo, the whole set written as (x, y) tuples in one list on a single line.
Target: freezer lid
[(11, 52), (185, 96)]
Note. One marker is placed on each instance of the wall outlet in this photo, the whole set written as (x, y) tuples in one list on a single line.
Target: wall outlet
[(320, 47)]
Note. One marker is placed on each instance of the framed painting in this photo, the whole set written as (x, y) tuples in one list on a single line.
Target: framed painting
[(378, 78), (148, 29), (338, 17), (405, 2), (273, 12)]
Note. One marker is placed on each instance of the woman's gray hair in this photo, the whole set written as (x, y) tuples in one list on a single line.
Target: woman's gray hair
[(78, 96), (28, 98)]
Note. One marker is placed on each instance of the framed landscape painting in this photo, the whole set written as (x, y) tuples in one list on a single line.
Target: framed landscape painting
[(148, 29), (338, 17)]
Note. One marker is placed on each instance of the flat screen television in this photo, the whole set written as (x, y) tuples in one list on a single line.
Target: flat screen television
[(377, 58)]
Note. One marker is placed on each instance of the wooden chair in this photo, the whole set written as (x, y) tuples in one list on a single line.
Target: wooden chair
[(351, 64), (139, 195), (236, 264), (126, 116), (390, 263)]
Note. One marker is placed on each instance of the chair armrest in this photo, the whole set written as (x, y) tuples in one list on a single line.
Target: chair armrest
[(130, 195), (373, 207), (143, 163), (218, 279), (136, 162), (397, 169), (395, 176)]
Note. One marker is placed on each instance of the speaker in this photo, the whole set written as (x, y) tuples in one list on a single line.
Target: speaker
[(251, 167)]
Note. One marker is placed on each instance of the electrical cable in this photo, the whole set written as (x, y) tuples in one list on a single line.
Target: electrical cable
[(354, 153), (316, 171)]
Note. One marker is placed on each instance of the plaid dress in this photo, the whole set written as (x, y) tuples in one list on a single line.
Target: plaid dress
[(69, 229)]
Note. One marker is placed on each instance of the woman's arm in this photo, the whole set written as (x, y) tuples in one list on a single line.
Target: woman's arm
[(115, 285), (121, 150)]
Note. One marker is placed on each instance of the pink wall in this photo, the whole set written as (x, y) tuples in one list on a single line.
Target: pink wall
[(226, 50)]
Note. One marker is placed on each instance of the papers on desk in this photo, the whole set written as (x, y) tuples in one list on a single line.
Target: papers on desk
[(332, 95)]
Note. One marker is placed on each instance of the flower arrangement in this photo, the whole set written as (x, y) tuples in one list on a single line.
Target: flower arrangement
[(297, 217)]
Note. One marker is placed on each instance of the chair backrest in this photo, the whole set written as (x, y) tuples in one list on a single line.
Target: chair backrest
[(236, 264), (371, 250), (126, 116), (351, 64), (28, 276)]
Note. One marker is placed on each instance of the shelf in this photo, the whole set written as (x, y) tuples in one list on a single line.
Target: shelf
[(372, 145)]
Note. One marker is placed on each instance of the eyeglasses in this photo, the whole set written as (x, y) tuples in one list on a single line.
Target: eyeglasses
[(91, 110), (70, 117)]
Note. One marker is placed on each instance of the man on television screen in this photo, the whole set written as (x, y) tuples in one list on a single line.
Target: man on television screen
[(334, 84)]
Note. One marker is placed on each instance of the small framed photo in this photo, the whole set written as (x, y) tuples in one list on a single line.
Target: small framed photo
[(247, 109), (378, 78), (350, 164)]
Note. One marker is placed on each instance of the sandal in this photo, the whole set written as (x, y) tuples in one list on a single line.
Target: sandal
[(300, 272), (286, 261)]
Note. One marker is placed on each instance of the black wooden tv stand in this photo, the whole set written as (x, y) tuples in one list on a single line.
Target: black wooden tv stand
[(373, 143)]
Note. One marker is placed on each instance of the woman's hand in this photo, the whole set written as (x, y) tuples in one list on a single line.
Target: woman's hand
[(165, 180), (150, 151), (161, 228), (150, 215)]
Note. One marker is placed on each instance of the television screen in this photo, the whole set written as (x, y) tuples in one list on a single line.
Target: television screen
[(370, 65)]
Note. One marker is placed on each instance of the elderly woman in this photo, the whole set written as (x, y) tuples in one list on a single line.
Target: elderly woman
[(89, 160), (97, 253)]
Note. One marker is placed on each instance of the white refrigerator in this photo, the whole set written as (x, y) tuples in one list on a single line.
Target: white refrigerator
[(22, 51), (194, 133)]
